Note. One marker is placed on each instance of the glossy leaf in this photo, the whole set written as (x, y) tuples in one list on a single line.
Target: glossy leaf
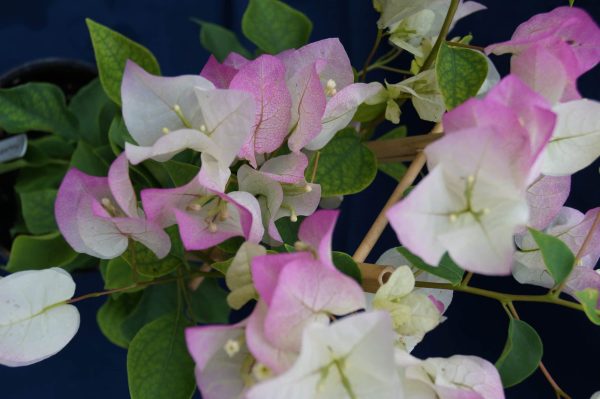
[(158, 363), (288, 229), (345, 165), (209, 303), (112, 51), (589, 300), (274, 26), (111, 315), (558, 258), (118, 274), (344, 263), (180, 172), (39, 252), (31, 180), (118, 135), (220, 41), (231, 245), (37, 208), (145, 262), (36, 106), (222, 266), (447, 269), (94, 161), (460, 73), (94, 111), (522, 353), (156, 301)]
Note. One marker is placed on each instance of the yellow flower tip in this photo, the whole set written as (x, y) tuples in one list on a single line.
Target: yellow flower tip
[(212, 227), (330, 88), (194, 207), (453, 217), (203, 128), (261, 372), (293, 218), (176, 108), (301, 246), (224, 214), (232, 347), (165, 130), (106, 202), (470, 179), (308, 188)]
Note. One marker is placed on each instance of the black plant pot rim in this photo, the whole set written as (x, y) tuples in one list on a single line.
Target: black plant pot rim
[(44, 64)]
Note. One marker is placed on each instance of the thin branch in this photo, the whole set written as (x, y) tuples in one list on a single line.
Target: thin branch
[(380, 223), (316, 165), (557, 389), (442, 36), (378, 38), (372, 273), (390, 69), (141, 285)]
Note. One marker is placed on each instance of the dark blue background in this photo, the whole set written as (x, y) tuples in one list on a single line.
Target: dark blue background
[(91, 367)]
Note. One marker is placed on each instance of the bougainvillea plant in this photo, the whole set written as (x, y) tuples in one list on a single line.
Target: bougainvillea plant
[(203, 195)]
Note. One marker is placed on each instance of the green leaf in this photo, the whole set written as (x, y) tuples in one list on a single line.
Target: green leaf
[(118, 135), (231, 245), (90, 160), (118, 274), (209, 303), (111, 315), (39, 252), (589, 299), (145, 262), (82, 261), (571, 3), (112, 51), (37, 208), (181, 173), (220, 41), (158, 363), (521, 355), (30, 179), (344, 263), (288, 230), (345, 165), (94, 111), (53, 147), (367, 113), (558, 258), (156, 301), (460, 73), (222, 266), (36, 107), (274, 26), (398, 169), (447, 269)]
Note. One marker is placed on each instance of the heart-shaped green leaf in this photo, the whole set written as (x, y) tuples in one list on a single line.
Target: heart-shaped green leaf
[(460, 73), (521, 355)]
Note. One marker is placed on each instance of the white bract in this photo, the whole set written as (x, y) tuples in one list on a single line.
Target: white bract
[(239, 277), (352, 358), (575, 142), (35, 321), (413, 314)]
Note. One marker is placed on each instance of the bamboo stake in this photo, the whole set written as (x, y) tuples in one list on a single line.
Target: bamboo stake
[(401, 149), (380, 223)]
